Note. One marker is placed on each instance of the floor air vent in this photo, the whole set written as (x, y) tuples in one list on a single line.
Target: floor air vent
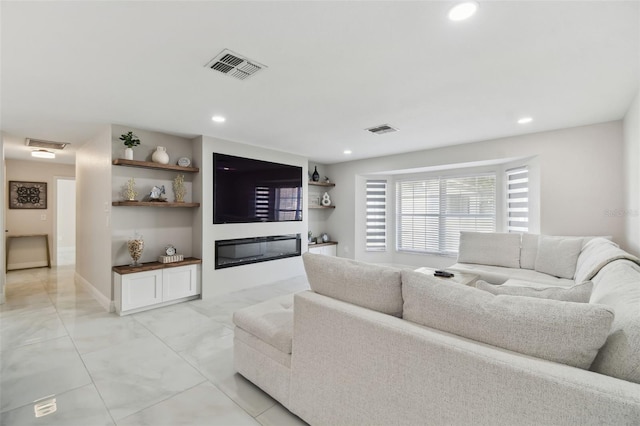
[(234, 65), (38, 143), (384, 128)]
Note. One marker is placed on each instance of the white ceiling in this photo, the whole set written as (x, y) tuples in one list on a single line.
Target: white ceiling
[(334, 69)]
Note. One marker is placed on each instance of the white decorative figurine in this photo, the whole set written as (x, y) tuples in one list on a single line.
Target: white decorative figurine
[(156, 193), (326, 201)]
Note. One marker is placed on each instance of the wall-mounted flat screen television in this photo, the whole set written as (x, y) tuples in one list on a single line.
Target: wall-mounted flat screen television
[(247, 190)]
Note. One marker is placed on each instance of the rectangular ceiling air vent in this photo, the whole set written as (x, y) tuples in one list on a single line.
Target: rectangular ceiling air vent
[(383, 128), (38, 143), (234, 65)]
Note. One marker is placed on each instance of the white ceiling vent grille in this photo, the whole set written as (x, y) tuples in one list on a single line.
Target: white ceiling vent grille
[(383, 128), (38, 143), (234, 65)]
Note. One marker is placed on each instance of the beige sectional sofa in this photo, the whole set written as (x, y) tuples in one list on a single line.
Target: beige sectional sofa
[(376, 345)]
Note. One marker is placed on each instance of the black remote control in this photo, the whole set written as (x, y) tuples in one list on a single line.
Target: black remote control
[(443, 274)]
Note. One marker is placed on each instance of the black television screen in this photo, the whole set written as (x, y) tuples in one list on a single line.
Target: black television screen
[(247, 190)]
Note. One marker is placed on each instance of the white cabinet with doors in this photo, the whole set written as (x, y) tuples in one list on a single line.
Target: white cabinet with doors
[(154, 284), (328, 249)]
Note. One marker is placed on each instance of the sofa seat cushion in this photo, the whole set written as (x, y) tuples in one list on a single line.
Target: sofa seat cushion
[(370, 286), (579, 293), (490, 248), (618, 285), (499, 275), (270, 321), (563, 332)]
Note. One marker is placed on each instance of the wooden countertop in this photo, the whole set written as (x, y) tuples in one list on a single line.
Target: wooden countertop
[(150, 266)]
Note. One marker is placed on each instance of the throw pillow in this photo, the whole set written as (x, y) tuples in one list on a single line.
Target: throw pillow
[(579, 293), (370, 286), (563, 332), (490, 248), (558, 256)]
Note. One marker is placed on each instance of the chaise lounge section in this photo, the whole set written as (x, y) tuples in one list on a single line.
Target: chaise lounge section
[(376, 345)]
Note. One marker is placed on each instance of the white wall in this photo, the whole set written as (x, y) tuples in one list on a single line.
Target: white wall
[(631, 212), (2, 221), (578, 170), (31, 252), (215, 282), (158, 226), (93, 214)]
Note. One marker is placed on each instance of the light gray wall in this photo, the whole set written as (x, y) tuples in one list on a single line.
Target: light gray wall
[(631, 212), (93, 216), (317, 218), (158, 226), (578, 172), (215, 282)]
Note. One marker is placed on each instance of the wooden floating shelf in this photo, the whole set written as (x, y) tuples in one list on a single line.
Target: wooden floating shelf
[(322, 207), (153, 204), (150, 266), (321, 183), (156, 166)]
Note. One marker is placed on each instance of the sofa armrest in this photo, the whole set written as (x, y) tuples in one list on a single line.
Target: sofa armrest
[(351, 365)]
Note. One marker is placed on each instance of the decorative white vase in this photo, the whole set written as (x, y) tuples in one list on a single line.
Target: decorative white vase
[(326, 201), (128, 153), (160, 156)]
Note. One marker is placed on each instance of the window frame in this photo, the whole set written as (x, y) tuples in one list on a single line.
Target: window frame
[(441, 228)]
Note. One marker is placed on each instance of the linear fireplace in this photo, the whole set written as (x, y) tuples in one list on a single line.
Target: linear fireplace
[(243, 251)]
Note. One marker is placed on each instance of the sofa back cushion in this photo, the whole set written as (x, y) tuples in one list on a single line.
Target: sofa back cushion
[(370, 286), (528, 251), (558, 256), (618, 285), (597, 253), (564, 332), (490, 248), (579, 293)]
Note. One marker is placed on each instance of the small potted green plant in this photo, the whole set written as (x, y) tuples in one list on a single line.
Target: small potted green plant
[(130, 140)]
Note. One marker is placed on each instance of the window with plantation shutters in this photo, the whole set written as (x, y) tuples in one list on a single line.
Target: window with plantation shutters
[(376, 215), (518, 199), (432, 212)]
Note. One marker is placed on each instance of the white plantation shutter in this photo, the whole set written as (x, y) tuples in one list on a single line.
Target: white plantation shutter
[(432, 212), (518, 200), (376, 215)]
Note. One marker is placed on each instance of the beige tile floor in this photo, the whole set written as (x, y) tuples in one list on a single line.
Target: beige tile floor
[(167, 366)]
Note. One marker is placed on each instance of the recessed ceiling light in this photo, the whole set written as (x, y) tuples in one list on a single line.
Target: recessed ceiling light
[(347, 151), (43, 153), (525, 120), (218, 119), (463, 11)]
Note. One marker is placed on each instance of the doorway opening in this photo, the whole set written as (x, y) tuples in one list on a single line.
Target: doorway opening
[(65, 221)]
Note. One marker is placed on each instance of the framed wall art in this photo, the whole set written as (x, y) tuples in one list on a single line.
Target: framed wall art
[(27, 195)]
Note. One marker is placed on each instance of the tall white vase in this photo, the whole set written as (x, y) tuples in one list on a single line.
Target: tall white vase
[(128, 153), (160, 156)]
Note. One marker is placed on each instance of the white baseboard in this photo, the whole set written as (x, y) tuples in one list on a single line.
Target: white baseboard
[(27, 265), (103, 300)]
